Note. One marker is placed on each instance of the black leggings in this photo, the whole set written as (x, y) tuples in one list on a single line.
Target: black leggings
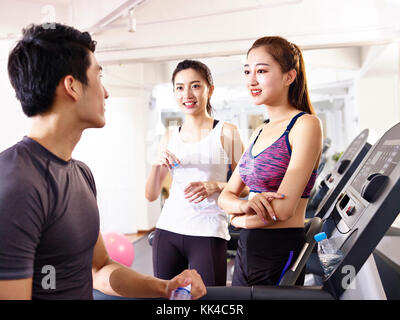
[(262, 255), (174, 252)]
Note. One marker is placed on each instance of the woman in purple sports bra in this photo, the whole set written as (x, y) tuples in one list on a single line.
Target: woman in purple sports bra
[(279, 166)]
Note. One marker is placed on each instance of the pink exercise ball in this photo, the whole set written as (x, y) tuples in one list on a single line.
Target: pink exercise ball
[(119, 248)]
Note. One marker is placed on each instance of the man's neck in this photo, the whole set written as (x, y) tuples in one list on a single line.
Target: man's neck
[(56, 136)]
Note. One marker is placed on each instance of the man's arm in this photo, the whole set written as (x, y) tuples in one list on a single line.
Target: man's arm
[(115, 279), (21, 220), (20, 289)]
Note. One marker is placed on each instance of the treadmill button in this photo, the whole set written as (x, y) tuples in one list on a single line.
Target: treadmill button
[(350, 210)]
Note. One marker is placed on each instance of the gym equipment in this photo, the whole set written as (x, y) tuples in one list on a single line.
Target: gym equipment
[(365, 210), (150, 238), (119, 248), (334, 181), (322, 162), (325, 147), (362, 214), (332, 185), (311, 228), (387, 259)]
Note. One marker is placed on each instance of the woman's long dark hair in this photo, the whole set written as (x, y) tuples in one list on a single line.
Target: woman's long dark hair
[(289, 57), (200, 68)]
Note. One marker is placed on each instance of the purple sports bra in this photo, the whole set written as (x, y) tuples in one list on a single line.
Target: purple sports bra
[(265, 171)]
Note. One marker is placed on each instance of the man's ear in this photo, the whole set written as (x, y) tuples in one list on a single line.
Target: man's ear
[(72, 87), (290, 77)]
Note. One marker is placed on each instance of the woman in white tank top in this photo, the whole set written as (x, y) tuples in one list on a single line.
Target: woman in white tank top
[(192, 230)]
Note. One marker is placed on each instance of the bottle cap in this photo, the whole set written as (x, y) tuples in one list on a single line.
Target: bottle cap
[(320, 236), (174, 165), (181, 293), (188, 288)]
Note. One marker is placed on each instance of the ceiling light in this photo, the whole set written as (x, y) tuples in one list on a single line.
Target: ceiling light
[(132, 21)]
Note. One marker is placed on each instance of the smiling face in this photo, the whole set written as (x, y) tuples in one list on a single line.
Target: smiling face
[(265, 80), (191, 91), (92, 105)]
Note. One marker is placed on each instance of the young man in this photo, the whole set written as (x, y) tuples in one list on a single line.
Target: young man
[(49, 219)]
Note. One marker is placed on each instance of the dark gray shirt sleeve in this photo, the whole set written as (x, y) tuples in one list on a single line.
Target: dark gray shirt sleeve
[(21, 223)]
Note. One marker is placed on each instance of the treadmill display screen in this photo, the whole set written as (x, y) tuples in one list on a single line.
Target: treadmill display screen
[(394, 142), (382, 161), (376, 157)]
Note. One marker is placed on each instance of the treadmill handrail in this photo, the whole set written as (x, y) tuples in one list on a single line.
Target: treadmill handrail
[(312, 227)]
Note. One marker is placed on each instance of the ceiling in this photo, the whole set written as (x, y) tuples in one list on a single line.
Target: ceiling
[(336, 36)]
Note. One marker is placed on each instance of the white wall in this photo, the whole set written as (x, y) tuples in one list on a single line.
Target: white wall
[(377, 103), (114, 154), (377, 89), (120, 154), (13, 123)]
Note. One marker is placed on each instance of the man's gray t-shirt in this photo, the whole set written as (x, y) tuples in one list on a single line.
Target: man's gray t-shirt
[(49, 221)]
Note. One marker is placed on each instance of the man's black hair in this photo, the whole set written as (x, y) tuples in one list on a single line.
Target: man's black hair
[(42, 58)]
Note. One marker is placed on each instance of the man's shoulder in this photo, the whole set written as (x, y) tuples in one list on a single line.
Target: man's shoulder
[(14, 159), (10, 151), (83, 167), (17, 168)]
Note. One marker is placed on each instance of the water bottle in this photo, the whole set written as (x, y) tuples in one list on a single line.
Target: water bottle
[(181, 293), (329, 255), (202, 205), (181, 178)]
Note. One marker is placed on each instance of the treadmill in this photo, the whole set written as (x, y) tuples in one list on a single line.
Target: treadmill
[(334, 181), (362, 213), (330, 188)]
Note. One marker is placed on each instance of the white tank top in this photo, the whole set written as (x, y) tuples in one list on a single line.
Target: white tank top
[(205, 160)]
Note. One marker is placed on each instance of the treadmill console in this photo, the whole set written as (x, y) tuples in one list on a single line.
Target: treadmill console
[(346, 159), (335, 181), (370, 181)]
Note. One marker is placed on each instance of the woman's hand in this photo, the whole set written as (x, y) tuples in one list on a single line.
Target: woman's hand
[(234, 222), (261, 206), (198, 191), (167, 159)]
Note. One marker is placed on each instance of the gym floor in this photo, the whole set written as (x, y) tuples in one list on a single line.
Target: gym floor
[(135, 236), (143, 256)]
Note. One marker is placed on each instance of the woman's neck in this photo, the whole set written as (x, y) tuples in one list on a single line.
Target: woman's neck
[(280, 113), (197, 121)]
